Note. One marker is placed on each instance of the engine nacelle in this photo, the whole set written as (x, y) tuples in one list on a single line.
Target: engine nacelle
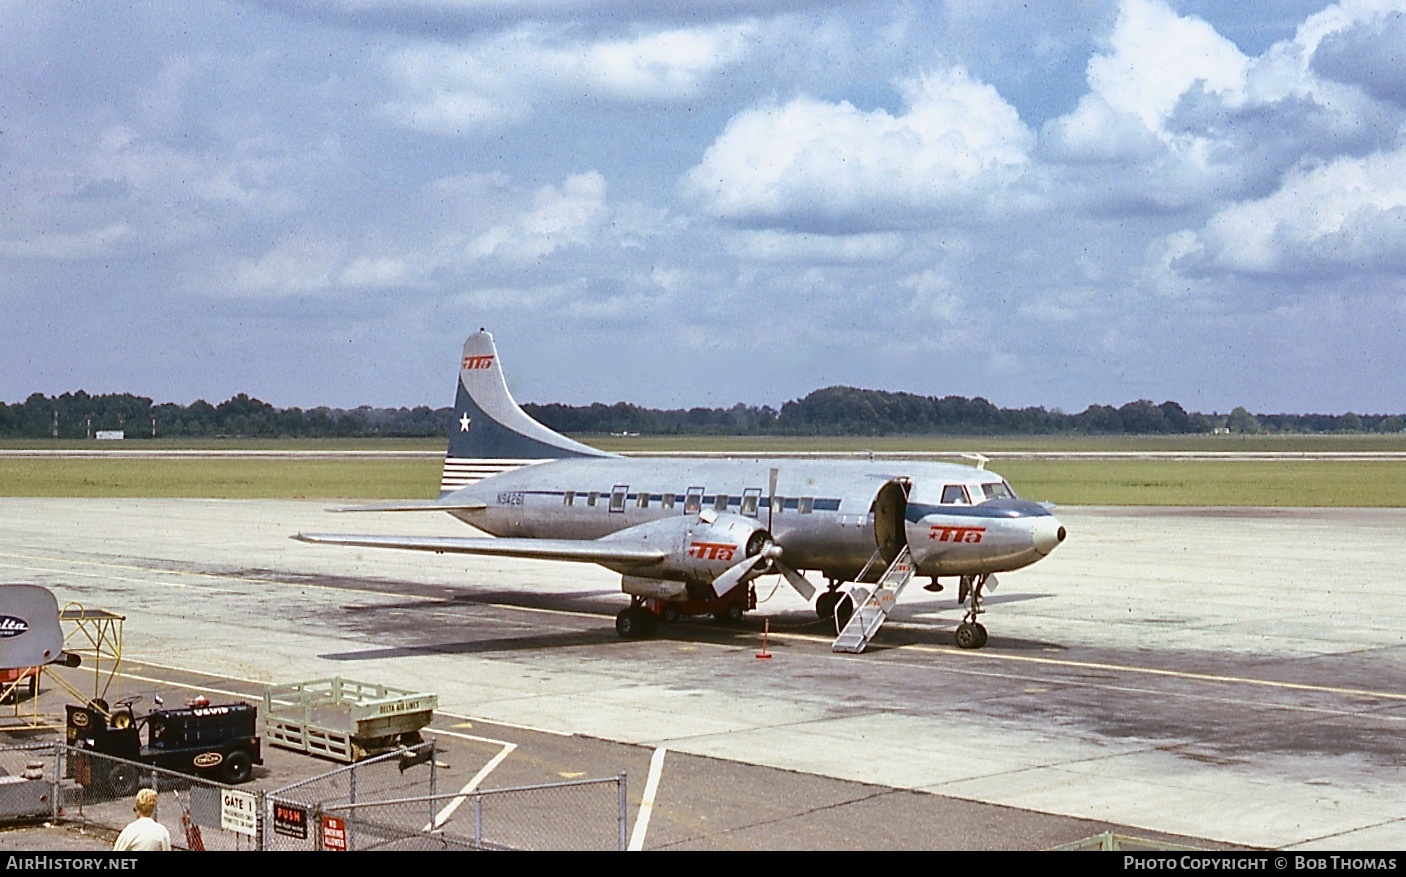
[(700, 547)]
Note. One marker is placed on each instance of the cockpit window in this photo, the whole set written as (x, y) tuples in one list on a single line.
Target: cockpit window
[(998, 490), (955, 494)]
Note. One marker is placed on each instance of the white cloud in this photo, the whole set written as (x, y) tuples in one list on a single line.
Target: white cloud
[(955, 142), (1177, 118), (556, 218), (295, 266), (1349, 214), (1153, 60), (770, 245), (301, 265), (1157, 56), (501, 80), (86, 244), (243, 174)]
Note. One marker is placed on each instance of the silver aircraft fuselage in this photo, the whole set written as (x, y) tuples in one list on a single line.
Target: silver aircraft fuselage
[(831, 515)]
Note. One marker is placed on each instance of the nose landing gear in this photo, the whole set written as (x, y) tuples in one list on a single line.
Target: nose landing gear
[(970, 633)]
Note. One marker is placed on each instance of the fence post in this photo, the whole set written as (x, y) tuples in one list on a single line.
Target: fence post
[(478, 821), (56, 784), (434, 775), (624, 812), (351, 796)]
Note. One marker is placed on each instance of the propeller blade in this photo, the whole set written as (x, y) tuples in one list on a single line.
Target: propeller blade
[(771, 495), (797, 581), (732, 575), (735, 573)]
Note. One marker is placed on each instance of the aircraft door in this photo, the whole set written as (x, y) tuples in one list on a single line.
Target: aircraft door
[(890, 508)]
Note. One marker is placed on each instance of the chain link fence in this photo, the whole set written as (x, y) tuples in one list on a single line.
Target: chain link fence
[(580, 815), (381, 804), (391, 802)]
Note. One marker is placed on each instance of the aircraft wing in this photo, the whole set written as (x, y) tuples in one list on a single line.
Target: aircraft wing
[(426, 506), (586, 550)]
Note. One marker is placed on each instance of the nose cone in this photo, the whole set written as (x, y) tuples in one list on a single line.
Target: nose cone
[(1048, 533)]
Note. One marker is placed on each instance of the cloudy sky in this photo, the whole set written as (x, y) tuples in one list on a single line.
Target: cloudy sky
[(678, 204)]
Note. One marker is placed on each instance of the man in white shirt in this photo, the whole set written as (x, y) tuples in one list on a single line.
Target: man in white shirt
[(144, 833)]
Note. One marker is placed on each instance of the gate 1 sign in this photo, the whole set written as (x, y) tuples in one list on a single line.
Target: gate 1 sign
[(239, 813)]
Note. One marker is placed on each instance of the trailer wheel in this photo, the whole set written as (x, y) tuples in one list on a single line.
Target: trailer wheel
[(238, 767), (122, 780)]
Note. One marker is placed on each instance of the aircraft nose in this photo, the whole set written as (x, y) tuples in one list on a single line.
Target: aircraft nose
[(1048, 533)]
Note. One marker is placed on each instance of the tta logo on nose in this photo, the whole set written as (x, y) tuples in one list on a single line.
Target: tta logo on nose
[(712, 550), (956, 534), (473, 362)]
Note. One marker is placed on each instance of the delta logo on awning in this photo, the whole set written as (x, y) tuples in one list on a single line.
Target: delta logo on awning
[(11, 627)]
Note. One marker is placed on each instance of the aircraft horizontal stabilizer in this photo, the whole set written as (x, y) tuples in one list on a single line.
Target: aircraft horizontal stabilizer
[(428, 505), (586, 550)]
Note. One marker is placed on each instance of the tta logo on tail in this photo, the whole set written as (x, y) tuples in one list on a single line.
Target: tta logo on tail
[(477, 362)]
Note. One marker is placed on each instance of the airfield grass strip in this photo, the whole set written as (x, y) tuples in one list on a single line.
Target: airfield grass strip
[(221, 478), (1275, 483), (1290, 483)]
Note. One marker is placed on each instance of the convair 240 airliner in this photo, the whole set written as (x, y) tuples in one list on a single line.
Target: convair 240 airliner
[(690, 536)]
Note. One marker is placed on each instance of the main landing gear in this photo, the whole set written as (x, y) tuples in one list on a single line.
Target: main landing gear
[(641, 619), (834, 604), (970, 634), (636, 621)]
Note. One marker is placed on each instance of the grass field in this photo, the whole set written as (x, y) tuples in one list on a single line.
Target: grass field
[(1233, 482)]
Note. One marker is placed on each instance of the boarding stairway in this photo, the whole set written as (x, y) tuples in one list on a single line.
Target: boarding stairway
[(873, 604)]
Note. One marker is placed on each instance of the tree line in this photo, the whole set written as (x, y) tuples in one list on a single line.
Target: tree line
[(833, 411)]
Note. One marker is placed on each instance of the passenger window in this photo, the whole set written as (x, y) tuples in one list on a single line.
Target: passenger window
[(720, 503), (643, 501), (617, 497), (805, 505), (955, 494), (568, 498), (777, 504), (592, 498), (694, 502), (750, 498), (668, 501)]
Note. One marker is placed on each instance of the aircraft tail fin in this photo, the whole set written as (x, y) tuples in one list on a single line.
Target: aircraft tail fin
[(491, 433)]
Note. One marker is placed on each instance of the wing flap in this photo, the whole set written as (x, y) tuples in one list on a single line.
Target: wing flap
[(585, 550)]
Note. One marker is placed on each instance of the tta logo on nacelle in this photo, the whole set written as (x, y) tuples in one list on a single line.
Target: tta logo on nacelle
[(474, 362), (956, 534), (11, 627), (711, 550)]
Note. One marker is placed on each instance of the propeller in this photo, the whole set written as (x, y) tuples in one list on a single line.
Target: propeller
[(769, 556), (733, 574), (770, 559)]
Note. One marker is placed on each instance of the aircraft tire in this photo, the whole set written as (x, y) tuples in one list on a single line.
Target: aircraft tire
[(730, 615), (970, 635), (844, 610), (669, 614), (825, 604), (633, 623)]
